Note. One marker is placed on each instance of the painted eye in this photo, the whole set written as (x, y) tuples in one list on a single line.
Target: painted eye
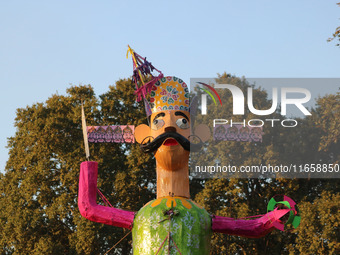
[(157, 124), (182, 123)]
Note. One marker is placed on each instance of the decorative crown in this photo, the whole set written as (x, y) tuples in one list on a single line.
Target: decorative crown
[(169, 93)]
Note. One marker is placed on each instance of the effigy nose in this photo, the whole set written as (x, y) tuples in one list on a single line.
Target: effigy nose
[(170, 129)]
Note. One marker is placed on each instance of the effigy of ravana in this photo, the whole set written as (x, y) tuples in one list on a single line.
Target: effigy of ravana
[(172, 223)]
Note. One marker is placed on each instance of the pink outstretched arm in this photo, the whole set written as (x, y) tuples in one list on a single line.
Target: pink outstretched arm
[(248, 228), (87, 200)]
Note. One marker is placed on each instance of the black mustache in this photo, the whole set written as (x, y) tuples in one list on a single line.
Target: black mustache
[(158, 141)]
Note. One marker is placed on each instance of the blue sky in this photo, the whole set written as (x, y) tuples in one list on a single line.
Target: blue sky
[(47, 45)]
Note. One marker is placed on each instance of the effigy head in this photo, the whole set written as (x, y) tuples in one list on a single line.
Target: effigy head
[(169, 135)]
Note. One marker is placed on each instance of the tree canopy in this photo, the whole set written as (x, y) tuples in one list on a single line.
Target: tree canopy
[(38, 191), (336, 34)]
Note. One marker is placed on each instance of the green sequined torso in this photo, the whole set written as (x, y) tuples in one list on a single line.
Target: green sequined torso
[(171, 220)]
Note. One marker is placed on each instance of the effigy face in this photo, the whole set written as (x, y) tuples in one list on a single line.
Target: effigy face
[(168, 225), (171, 155)]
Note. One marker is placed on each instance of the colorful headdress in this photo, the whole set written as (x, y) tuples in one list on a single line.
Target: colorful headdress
[(142, 70), (166, 93), (169, 93)]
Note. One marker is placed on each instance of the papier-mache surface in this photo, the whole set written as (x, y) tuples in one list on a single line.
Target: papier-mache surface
[(111, 134)]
